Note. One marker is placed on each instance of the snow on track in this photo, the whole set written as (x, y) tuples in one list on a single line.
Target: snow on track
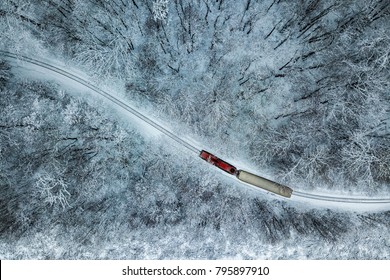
[(321, 200), (105, 94)]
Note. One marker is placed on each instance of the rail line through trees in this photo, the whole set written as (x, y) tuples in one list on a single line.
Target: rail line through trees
[(343, 199), (190, 147), (104, 94)]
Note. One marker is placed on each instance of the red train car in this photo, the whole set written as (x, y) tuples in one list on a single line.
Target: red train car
[(210, 158)]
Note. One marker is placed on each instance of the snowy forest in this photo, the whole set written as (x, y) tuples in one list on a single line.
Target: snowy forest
[(297, 90)]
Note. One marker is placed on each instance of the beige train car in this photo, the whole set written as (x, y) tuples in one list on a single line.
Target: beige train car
[(264, 183)]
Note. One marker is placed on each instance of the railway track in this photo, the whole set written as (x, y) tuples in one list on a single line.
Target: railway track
[(103, 93), (182, 142), (343, 199)]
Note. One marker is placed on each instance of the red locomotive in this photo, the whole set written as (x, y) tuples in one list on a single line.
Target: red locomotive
[(247, 177), (210, 158)]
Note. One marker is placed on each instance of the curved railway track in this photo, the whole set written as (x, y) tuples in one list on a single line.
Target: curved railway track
[(103, 93), (342, 199), (190, 147)]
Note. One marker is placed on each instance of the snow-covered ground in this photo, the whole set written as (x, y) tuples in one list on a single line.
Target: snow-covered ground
[(270, 87), (323, 200)]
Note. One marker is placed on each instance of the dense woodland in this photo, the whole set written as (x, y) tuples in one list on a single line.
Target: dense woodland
[(298, 90)]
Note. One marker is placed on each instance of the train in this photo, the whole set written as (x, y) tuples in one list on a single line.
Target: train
[(246, 176)]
